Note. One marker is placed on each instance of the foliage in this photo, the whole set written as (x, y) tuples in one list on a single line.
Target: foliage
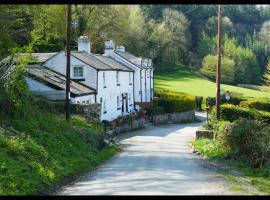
[(209, 148), (209, 64), (239, 65), (246, 139), (41, 148), (198, 103), (262, 104), (231, 113), (266, 76), (173, 102)]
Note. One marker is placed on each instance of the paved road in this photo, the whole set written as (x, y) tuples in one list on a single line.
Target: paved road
[(155, 161)]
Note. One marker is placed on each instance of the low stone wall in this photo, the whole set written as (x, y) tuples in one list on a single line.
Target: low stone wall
[(135, 125), (174, 117), (91, 111), (204, 134)]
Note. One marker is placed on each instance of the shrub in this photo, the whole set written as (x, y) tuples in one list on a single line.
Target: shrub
[(198, 103), (262, 104), (246, 139), (231, 113), (235, 99), (171, 102)]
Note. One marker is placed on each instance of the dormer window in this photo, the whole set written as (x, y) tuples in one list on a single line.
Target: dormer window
[(77, 72)]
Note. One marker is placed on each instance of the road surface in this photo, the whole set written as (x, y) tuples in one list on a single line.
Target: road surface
[(154, 161)]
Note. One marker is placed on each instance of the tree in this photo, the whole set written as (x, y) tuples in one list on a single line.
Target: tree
[(227, 70), (266, 76)]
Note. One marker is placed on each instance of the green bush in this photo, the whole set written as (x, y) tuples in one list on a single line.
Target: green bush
[(198, 103), (246, 139), (231, 113), (262, 104), (235, 99), (173, 102)]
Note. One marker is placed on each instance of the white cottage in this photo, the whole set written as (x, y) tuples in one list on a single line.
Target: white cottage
[(143, 72), (117, 79), (112, 81)]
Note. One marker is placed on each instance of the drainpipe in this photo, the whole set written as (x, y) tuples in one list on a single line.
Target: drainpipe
[(141, 81), (133, 91)]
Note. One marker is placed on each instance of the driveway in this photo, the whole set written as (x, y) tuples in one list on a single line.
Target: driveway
[(154, 161)]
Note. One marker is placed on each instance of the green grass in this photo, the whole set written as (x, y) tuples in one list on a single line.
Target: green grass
[(188, 82), (41, 149), (260, 178)]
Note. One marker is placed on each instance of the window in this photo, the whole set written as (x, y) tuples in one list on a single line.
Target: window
[(87, 101), (129, 97), (78, 72), (104, 106), (100, 100), (104, 82), (118, 102), (147, 73), (83, 102), (117, 77), (130, 78)]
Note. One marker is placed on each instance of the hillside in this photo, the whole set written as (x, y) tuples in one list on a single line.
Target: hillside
[(42, 149), (188, 82)]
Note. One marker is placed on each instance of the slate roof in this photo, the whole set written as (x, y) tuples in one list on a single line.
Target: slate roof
[(135, 60), (58, 80), (43, 57), (100, 62)]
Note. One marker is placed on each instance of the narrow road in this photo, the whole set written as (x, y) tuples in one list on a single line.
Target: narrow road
[(154, 161)]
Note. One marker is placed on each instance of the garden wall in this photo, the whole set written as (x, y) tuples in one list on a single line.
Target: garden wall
[(174, 117)]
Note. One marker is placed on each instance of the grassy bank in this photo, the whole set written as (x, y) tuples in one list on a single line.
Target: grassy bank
[(257, 177), (41, 148), (188, 82)]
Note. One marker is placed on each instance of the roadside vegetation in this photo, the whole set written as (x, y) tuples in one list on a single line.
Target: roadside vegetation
[(242, 140), (38, 147)]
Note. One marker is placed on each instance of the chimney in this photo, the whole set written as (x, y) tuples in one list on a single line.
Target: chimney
[(84, 44), (109, 48), (120, 48)]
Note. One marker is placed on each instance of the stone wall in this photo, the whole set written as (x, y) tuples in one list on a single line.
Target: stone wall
[(174, 117), (91, 111)]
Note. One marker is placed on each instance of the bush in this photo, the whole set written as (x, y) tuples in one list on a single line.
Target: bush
[(235, 99), (198, 103), (231, 113), (262, 104), (246, 139), (173, 102)]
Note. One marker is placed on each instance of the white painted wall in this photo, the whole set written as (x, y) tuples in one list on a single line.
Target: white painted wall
[(35, 85), (58, 63), (137, 78), (111, 91)]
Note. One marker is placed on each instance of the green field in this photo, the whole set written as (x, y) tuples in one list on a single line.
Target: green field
[(188, 82)]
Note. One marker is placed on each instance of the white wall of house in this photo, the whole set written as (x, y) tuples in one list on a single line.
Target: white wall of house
[(109, 90), (58, 64)]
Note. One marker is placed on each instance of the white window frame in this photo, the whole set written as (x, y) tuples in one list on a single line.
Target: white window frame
[(78, 66)]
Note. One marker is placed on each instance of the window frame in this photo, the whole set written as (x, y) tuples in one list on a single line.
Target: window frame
[(77, 67)]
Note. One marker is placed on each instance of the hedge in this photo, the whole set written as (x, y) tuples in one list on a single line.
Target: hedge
[(262, 104), (231, 113), (173, 102)]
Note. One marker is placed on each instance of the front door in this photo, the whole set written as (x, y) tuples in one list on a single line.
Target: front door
[(124, 103)]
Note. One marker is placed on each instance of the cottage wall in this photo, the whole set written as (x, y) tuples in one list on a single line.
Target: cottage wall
[(58, 64), (110, 91)]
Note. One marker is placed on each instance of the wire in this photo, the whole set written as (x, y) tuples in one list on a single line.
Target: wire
[(193, 9)]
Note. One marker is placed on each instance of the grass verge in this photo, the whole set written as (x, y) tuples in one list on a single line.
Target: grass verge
[(260, 178), (41, 149)]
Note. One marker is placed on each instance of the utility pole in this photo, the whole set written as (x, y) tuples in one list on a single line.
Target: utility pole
[(218, 65), (68, 62)]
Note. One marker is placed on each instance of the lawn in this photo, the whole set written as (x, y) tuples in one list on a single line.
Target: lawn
[(188, 82)]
